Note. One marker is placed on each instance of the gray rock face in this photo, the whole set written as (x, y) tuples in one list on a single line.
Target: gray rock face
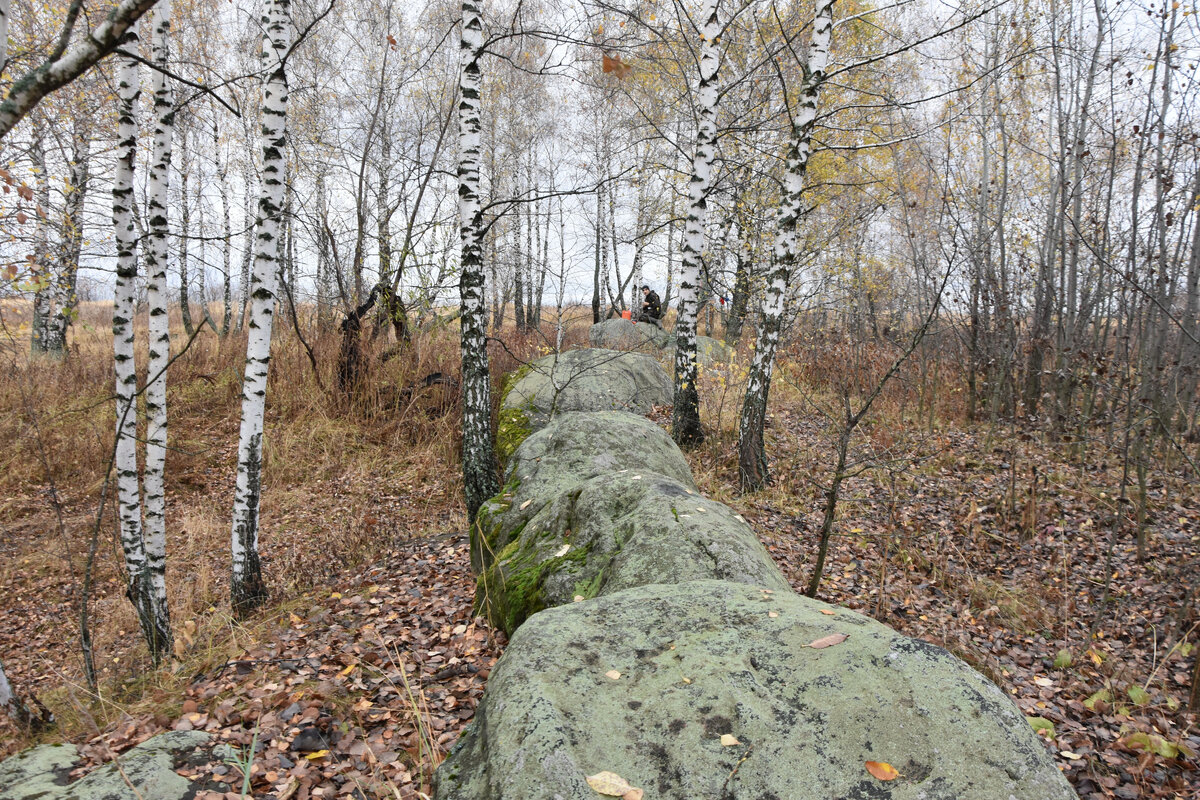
[(39, 773), (706, 658), (616, 531), (42, 773), (587, 380), (621, 334), (572, 449), (150, 767)]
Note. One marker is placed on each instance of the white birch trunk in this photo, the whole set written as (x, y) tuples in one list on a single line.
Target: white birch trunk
[(478, 462), (752, 460), (685, 420), (247, 587), (41, 262), (4, 7), (154, 534), (12, 705), (129, 505)]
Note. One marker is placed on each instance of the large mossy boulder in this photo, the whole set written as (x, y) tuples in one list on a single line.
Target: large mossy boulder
[(572, 449), (580, 380), (703, 659), (617, 531), (621, 334)]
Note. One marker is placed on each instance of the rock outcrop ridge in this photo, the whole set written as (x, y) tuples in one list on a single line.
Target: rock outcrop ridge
[(653, 637)]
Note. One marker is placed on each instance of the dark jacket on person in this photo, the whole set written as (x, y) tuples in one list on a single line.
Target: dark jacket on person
[(652, 306)]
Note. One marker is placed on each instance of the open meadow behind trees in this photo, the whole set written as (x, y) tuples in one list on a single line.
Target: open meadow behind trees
[(1033, 557)]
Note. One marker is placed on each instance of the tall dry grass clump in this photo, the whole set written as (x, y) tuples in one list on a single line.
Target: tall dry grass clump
[(345, 473)]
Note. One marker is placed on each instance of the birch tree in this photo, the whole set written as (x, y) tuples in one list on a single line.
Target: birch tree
[(247, 588), (685, 420), (752, 458), (155, 628), (478, 462), (159, 334)]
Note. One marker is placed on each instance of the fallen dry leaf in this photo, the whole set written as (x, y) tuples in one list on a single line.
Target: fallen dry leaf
[(882, 770), (827, 612), (772, 614), (525, 505), (633, 794), (612, 674), (729, 740), (609, 783), (828, 641)]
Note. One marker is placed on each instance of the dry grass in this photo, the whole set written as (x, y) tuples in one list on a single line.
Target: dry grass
[(343, 478)]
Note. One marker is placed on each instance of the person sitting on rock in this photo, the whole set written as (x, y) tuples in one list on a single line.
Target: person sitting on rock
[(651, 307)]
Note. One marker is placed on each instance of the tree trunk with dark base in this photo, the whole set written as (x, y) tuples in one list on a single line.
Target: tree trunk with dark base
[(685, 417), (478, 459), (247, 588), (752, 456)]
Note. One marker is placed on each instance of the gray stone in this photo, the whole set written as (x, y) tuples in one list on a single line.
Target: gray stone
[(710, 352), (39, 773), (614, 532), (706, 658), (585, 380), (621, 334), (150, 767), (572, 449)]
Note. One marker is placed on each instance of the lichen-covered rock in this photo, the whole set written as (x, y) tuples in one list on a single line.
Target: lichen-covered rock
[(587, 380), (701, 659), (614, 532), (572, 449), (621, 334), (39, 773), (43, 772), (150, 767)]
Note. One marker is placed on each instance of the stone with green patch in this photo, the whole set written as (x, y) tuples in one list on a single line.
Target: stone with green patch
[(572, 449), (705, 658), (614, 532)]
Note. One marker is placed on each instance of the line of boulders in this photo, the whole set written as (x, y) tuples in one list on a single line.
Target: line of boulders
[(653, 638)]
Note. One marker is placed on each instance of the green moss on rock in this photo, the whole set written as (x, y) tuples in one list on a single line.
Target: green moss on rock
[(512, 589), (512, 429)]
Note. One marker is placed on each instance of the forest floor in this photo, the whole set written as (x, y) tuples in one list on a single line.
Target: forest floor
[(989, 541)]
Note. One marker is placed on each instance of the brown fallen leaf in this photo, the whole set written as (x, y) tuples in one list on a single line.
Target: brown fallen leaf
[(609, 783), (633, 794), (828, 641), (525, 505), (729, 740), (827, 612), (882, 770)]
